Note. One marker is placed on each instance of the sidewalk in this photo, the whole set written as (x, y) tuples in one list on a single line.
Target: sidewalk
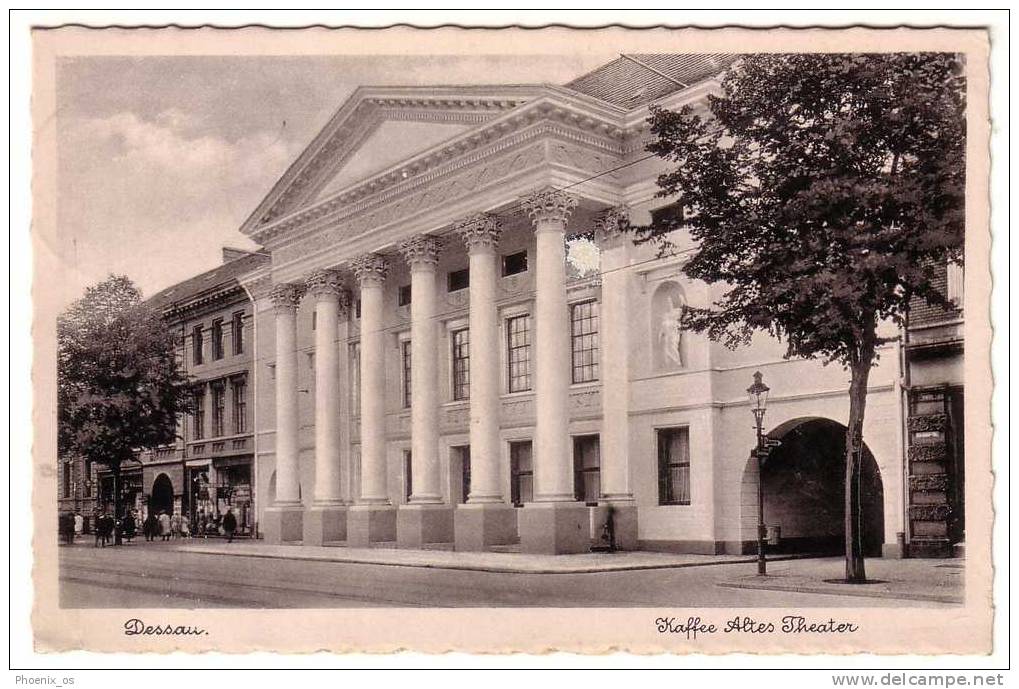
[(940, 581), (516, 563)]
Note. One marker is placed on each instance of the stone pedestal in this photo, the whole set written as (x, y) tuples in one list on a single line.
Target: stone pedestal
[(420, 524), (554, 528), (283, 524), (480, 525), (325, 524), (624, 524), (367, 524)]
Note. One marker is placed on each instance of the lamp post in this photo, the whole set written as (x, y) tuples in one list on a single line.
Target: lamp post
[(758, 396)]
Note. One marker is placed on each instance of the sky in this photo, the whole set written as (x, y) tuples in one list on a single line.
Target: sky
[(160, 159)]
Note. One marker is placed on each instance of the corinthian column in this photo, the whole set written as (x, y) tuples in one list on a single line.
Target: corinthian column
[(614, 243), (284, 518), (327, 518), (424, 519), (486, 519), (373, 518), (554, 522)]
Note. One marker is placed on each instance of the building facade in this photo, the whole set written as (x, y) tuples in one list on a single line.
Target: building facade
[(455, 345), (210, 468)]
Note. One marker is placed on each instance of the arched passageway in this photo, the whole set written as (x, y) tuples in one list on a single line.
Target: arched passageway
[(161, 498), (804, 490)]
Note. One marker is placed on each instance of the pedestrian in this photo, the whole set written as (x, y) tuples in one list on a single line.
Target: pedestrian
[(185, 528), (65, 527), (79, 524), (150, 527), (175, 522), (97, 527), (229, 525), (130, 527), (106, 526), (164, 525)]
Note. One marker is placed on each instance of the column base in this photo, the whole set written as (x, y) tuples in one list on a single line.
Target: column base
[(283, 524), (476, 526), (418, 524), (554, 528), (367, 524), (624, 524), (325, 523)]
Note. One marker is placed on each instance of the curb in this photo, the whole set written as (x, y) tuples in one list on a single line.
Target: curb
[(849, 591)]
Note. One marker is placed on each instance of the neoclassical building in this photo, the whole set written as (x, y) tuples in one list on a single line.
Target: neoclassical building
[(456, 347)]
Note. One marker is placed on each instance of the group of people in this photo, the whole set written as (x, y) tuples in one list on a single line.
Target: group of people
[(156, 526)]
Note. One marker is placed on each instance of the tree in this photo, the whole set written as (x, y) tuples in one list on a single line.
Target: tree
[(120, 388), (823, 191)]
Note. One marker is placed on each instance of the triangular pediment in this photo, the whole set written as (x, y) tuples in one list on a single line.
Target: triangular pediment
[(392, 142), (377, 128)]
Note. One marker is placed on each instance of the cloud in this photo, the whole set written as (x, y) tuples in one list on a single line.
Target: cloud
[(157, 197)]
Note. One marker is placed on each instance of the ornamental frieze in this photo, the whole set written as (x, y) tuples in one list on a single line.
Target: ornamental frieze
[(930, 513), (928, 482), (928, 452), (928, 422)]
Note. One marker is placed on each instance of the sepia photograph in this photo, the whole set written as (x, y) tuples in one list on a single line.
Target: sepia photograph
[(688, 327)]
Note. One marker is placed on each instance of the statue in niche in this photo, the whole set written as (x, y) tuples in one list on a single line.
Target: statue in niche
[(668, 308)]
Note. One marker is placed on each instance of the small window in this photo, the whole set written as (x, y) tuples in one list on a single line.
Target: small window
[(240, 406), (518, 348), (198, 417), (218, 410), (669, 217), (586, 469), (197, 345), (674, 466), (403, 297), (67, 479), (461, 364), (217, 339), (514, 263), (458, 279), (237, 331), (357, 309), (408, 475), (405, 357), (521, 473)]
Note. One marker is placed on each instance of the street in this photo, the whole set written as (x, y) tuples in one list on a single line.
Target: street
[(158, 575)]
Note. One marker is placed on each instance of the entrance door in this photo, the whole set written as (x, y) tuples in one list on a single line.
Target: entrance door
[(460, 473)]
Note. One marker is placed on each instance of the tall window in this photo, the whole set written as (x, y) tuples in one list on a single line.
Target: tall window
[(240, 395), (403, 296), (67, 479), (458, 279), (217, 339), (355, 378), (584, 324), (518, 341), (521, 473), (196, 344), (462, 364), (405, 358), (674, 466), (586, 469), (514, 263), (199, 415), (218, 410), (238, 332)]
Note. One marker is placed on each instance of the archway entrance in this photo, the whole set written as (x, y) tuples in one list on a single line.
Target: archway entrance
[(804, 491), (161, 499)]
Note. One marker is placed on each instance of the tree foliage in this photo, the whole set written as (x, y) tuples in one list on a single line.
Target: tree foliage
[(120, 387), (824, 191)]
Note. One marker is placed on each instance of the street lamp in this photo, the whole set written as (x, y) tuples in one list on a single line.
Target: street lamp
[(758, 396)]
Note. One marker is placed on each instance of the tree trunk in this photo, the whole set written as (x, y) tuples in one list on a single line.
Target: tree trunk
[(116, 503), (860, 370)]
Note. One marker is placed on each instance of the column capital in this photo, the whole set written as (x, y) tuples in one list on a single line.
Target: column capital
[(370, 269), (285, 296), (421, 251), (324, 284), (549, 205), (612, 226), (479, 232)]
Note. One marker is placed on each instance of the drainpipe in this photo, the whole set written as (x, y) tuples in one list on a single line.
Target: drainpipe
[(254, 411), (904, 386)]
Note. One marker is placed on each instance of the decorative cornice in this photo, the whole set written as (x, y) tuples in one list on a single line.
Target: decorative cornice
[(286, 296), (612, 226), (325, 284), (549, 205), (421, 251), (370, 269), (479, 232)]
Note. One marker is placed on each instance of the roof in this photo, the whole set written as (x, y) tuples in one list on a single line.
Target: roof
[(219, 279), (635, 79)]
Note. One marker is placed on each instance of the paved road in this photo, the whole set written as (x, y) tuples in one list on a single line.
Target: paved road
[(158, 576)]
